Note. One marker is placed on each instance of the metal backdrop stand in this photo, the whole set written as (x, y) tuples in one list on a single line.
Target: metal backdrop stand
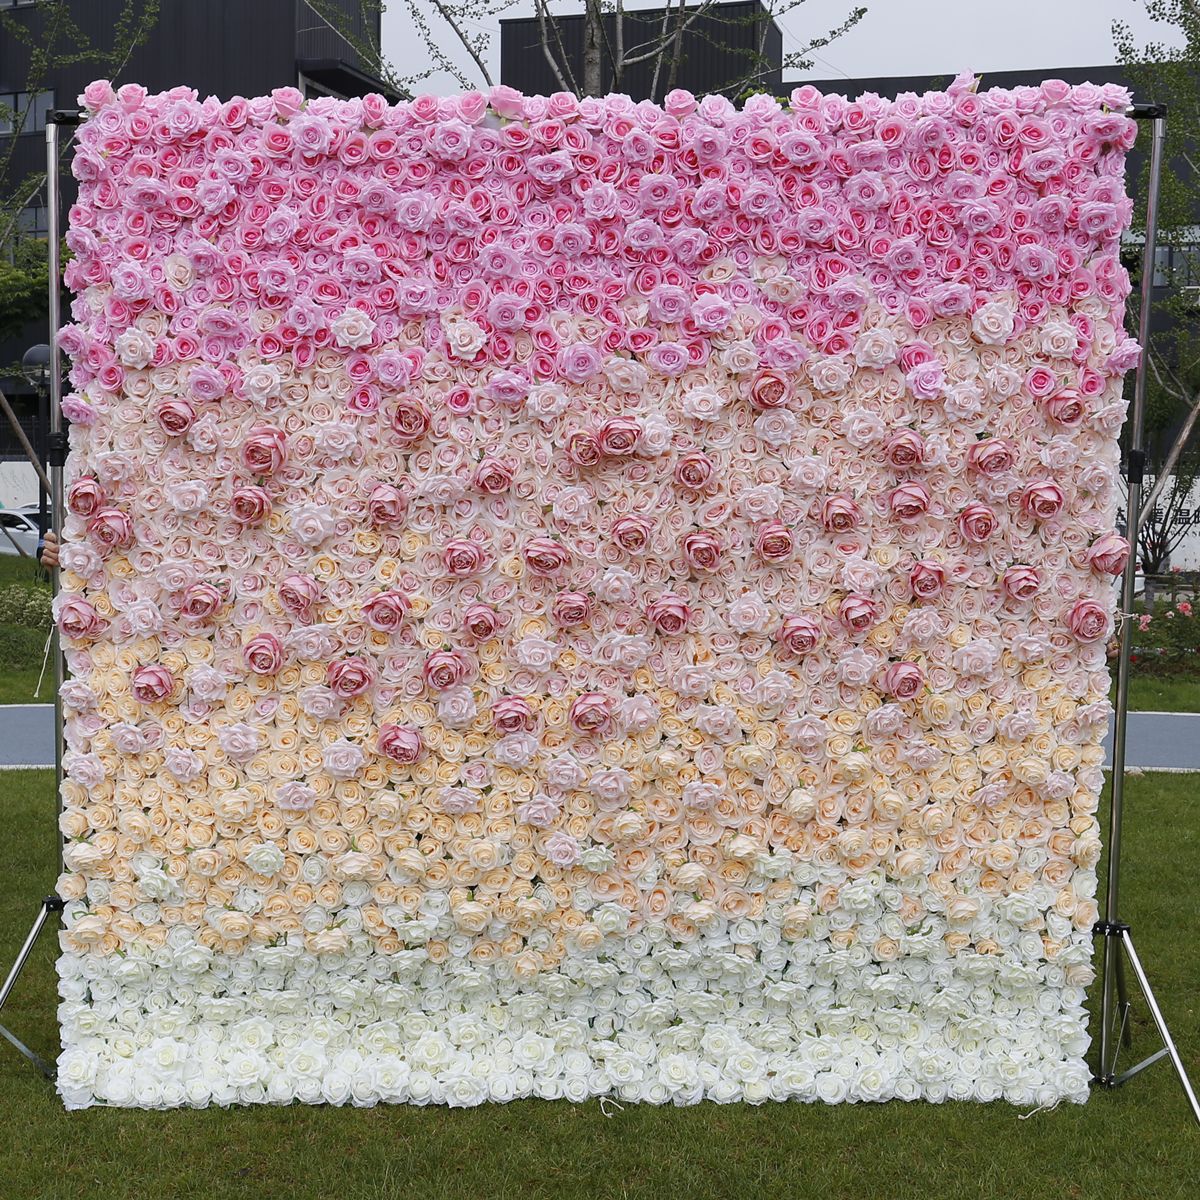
[(1118, 940), (56, 458)]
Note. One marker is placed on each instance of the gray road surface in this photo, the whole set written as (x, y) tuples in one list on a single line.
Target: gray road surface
[(1157, 741)]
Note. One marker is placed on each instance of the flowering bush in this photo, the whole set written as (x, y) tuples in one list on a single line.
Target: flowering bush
[(569, 597), (1167, 640)]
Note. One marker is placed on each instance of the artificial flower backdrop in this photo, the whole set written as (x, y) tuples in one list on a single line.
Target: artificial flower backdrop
[(571, 597)]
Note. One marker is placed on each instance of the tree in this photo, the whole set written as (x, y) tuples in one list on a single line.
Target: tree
[(1168, 72), (614, 41)]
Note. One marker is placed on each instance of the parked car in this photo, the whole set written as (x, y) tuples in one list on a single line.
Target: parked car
[(18, 527)]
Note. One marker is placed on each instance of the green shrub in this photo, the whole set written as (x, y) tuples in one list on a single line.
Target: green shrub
[(21, 605), (1167, 640), (21, 647)]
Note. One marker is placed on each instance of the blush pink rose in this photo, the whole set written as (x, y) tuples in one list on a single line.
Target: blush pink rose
[(513, 714), (991, 457), (175, 416), (775, 542), (669, 613), (976, 523), (199, 601), (152, 684), (858, 613), (694, 470), (800, 634), (905, 449), (702, 551), (591, 712), (299, 593), (481, 621), (904, 680), (387, 505), (410, 420), (492, 475), (544, 556), (619, 437), (403, 744), (1088, 621), (632, 534), (1021, 583), (839, 514), (1042, 500), (927, 579), (110, 528), (349, 677), (263, 654), (909, 502), (85, 496), (769, 390), (461, 557), (250, 505), (571, 609), (445, 669), (77, 618), (583, 448), (265, 450), (1066, 408), (1108, 554)]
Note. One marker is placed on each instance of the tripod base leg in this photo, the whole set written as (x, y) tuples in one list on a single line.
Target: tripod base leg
[(51, 904)]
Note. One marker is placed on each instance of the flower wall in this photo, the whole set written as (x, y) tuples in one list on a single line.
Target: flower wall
[(566, 597)]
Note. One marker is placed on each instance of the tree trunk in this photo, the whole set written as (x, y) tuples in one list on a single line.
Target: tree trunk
[(593, 37)]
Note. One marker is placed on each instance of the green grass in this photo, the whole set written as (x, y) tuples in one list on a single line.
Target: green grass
[(1136, 1142), (1164, 693)]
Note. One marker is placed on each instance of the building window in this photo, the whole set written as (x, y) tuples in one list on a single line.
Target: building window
[(17, 3), (34, 220), (36, 106)]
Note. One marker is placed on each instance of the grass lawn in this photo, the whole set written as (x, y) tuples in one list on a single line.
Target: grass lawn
[(1137, 1142)]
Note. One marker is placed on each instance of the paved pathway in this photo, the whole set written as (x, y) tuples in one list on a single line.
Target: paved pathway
[(1157, 741)]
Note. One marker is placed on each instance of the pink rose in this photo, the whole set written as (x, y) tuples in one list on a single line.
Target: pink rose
[(927, 579), (481, 621), (200, 601), (618, 437), (1108, 554), (544, 556), (669, 613), (387, 505), (903, 680), (152, 684), (1089, 621), (250, 505), (386, 611), (800, 633), (1021, 583), (702, 551), (349, 677), (175, 416), (632, 534), (265, 451), (493, 476), (110, 528), (571, 609), (909, 502), (1066, 408), (401, 743), (905, 449), (298, 594), (976, 523), (839, 514), (513, 714), (694, 470), (991, 457), (77, 618), (562, 849), (858, 613), (445, 669), (591, 712), (461, 557), (85, 496), (769, 390), (263, 654), (1042, 500), (775, 543), (410, 420), (583, 448)]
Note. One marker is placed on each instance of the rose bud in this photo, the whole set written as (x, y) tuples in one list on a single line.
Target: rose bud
[(250, 505), (769, 390), (481, 621), (513, 714), (632, 534), (387, 505), (265, 451), (904, 449), (927, 578), (461, 557), (669, 614), (583, 448), (976, 522), (991, 457), (410, 420), (571, 609), (1066, 408), (909, 502), (694, 470), (349, 677), (445, 669), (1089, 621), (903, 680), (858, 613), (1108, 555), (775, 542), (152, 684), (298, 594), (702, 550), (110, 528), (1021, 583), (175, 416), (401, 743), (544, 556), (200, 601), (619, 436), (801, 634), (85, 496), (591, 712), (385, 611), (1042, 500), (493, 476), (263, 654), (77, 618)]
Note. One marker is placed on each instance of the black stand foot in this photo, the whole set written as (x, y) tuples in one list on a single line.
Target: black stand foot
[(50, 904)]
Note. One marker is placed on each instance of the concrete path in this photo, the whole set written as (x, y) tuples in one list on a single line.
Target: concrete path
[(1157, 741)]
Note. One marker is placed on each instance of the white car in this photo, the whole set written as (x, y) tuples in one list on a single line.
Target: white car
[(20, 528)]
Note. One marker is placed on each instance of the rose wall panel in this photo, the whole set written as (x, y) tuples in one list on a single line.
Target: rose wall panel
[(574, 597)]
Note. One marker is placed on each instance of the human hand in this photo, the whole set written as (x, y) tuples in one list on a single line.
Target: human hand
[(49, 558)]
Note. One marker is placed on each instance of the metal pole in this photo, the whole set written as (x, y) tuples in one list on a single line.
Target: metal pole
[(1137, 460)]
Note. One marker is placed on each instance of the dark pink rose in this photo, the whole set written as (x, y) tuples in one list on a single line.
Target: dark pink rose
[(571, 609), (702, 550), (250, 505), (543, 556), (513, 714), (386, 611), (263, 654), (909, 502), (200, 601), (152, 684), (927, 578), (769, 390), (1042, 500), (85, 496), (265, 451), (905, 449), (591, 712), (694, 470), (669, 614), (976, 522), (1089, 621), (619, 436), (401, 743), (445, 669), (800, 633), (991, 457), (493, 475), (77, 618), (903, 680), (632, 534), (176, 416), (461, 557), (410, 420), (110, 528), (1021, 583), (775, 542), (387, 505), (481, 621), (858, 613), (1108, 554), (349, 677), (298, 594), (583, 448)]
